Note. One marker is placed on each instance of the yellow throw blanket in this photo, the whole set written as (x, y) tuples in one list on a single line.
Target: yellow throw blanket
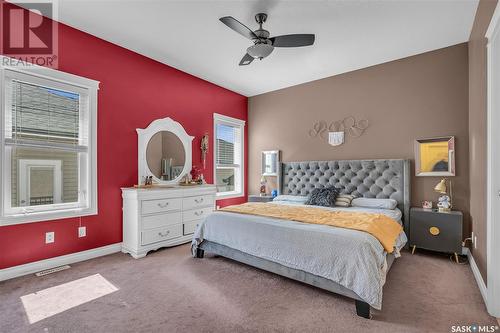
[(382, 227)]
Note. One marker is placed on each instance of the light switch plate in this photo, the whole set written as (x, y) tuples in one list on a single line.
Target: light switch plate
[(49, 237), (82, 231)]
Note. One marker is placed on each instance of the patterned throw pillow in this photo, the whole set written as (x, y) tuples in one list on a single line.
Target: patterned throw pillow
[(344, 200), (323, 197)]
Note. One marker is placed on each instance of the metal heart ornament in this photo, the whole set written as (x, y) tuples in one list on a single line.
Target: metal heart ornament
[(319, 129)]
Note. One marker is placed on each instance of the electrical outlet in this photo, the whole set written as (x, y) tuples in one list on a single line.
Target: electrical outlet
[(49, 237), (82, 231), (472, 238), (475, 242)]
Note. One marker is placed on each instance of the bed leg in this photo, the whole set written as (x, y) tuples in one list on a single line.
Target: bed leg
[(363, 309), (200, 253)]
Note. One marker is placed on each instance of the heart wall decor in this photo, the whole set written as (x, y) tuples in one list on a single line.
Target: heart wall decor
[(348, 126)]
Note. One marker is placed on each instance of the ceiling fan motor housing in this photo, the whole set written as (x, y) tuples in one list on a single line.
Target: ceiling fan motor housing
[(261, 33)]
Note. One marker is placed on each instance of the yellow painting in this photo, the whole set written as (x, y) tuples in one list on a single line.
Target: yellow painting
[(434, 156)]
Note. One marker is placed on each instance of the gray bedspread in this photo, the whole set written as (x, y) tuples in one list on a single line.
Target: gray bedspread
[(353, 259)]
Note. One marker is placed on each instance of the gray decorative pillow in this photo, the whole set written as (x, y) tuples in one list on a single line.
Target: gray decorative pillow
[(323, 197)]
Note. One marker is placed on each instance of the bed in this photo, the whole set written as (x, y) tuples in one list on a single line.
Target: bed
[(344, 261)]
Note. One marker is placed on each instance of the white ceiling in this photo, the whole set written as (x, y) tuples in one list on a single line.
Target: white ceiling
[(349, 34)]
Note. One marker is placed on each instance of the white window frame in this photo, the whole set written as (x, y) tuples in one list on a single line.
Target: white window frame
[(87, 204), (220, 119)]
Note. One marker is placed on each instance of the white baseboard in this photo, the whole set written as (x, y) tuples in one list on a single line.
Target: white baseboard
[(33, 267), (478, 277)]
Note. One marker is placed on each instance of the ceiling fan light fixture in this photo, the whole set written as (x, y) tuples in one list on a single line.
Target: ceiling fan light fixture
[(263, 44), (260, 50)]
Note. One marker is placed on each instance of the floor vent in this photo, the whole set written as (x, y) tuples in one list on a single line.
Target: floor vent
[(53, 270)]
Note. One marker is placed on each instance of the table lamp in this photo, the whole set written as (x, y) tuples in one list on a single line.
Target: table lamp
[(445, 201)]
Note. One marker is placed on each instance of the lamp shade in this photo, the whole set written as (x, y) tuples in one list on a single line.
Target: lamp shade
[(441, 186)]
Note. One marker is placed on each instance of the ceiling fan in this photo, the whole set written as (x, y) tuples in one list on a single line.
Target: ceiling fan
[(263, 44)]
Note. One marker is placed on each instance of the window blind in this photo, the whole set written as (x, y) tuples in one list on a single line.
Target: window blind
[(44, 114), (45, 117), (227, 143)]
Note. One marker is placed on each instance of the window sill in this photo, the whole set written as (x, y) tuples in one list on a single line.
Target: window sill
[(46, 216)]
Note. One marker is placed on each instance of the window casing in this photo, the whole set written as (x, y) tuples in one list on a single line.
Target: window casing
[(48, 145), (229, 134)]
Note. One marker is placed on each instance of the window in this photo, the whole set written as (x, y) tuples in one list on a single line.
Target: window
[(228, 143), (48, 154)]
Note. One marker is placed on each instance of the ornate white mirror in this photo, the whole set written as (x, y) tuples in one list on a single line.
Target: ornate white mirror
[(164, 152)]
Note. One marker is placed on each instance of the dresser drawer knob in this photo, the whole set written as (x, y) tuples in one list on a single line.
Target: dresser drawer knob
[(163, 205), (164, 234), (200, 200), (434, 231), (198, 213)]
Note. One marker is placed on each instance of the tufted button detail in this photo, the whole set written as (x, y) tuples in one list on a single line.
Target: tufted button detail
[(370, 179)]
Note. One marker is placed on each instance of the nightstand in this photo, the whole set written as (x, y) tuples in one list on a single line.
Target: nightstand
[(436, 231), (258, 198)]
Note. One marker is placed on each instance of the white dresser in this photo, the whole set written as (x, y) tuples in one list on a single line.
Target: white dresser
[(163, 216)]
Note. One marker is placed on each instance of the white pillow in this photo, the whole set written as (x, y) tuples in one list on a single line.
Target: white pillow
[(374, 203), (291, 198)]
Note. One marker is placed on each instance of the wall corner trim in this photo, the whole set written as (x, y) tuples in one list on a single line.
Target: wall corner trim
[(478, 277), (33, 267)]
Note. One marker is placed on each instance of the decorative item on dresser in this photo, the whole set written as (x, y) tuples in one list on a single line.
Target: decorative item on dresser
[(163, 212), (436, 231)]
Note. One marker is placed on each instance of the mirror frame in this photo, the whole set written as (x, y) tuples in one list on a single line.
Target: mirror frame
[(451, 158), (262, 162), (144, 135)]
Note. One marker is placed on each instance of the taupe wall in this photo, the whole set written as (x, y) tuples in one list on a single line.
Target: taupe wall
[(477, 128), (416, 97)]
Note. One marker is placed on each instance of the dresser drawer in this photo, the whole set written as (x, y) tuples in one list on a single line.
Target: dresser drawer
[(198, 201), (160, 205), (161, 234), (436, 231), (190, 227), (196, 214), (160, 220)]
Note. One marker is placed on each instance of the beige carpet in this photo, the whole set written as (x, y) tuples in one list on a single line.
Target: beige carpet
[(168, 291)]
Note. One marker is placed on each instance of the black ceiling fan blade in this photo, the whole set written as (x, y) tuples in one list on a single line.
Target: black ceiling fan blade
[(246, 60), (239, 27), (293, 40)]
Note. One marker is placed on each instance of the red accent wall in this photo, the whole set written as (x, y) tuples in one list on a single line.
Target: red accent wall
[(134, 91)]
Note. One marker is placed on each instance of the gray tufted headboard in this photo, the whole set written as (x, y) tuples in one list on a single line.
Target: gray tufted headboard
[(366, 178)]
